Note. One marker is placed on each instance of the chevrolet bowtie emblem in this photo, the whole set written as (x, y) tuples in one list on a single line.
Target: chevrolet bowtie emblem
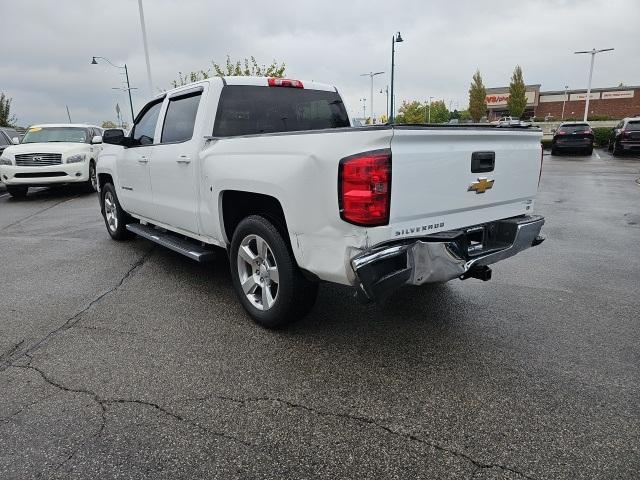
[(481, 186)]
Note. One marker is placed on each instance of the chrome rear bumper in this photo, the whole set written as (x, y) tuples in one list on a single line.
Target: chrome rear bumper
[(443, 256)]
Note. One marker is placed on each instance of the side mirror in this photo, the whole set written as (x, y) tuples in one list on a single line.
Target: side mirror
[(112, 136), (96, 139), (15, 140)]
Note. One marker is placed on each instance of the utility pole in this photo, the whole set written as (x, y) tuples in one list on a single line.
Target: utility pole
[(371, 75), (146, 47), (592, 52), (564, 100), (364, 109)]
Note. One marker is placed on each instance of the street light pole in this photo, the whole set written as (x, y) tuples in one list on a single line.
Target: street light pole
[(126, 73), (364, 109), (429, 117), (371, 75), (396, 38), (566, 88), (146, 47), (593, 56), (386, 105)]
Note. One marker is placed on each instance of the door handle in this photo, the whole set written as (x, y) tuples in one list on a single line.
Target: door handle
[(143, 159), (184, 159)]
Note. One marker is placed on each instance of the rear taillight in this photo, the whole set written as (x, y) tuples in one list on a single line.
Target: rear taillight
[(588, 131), (285, 82), (624, 134), (541, 158), (562, 132), (364, 188)]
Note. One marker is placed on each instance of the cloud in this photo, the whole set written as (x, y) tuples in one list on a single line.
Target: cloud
[(333, 42)]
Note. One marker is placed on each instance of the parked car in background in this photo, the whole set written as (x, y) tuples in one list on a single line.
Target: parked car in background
[(507, 121), (625, 136), (6, 137), (272, 171), (572, 137), (52, 154)]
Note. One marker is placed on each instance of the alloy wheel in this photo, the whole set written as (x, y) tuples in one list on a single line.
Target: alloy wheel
[(258, 272)]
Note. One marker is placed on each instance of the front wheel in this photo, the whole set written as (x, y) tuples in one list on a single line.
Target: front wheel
[(92, 184), (18, 191), (265, 276), (115, 218)]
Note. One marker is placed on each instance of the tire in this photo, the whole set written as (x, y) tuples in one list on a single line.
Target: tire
[(554, 151), (91, 185), (115, 218), (258, 256), (610, 146), (588, 151), (18, 191), (616, 151)]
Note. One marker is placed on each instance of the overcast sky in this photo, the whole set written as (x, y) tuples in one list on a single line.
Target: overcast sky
[(48, 45)]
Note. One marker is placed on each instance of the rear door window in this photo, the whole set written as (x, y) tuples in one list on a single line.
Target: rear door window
[(180, 118), (633, 126), (249, 109)]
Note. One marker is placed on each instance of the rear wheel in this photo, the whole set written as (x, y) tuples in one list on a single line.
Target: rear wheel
[(616, 149), (265, 276), (610, 146), (588, 151), (115, 218), (18, 191), (554, 151)]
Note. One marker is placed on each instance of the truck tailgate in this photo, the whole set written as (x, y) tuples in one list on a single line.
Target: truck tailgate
[(434, 188)]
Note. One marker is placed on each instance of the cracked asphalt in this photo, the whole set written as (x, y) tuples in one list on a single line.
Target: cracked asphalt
[(125, 360)]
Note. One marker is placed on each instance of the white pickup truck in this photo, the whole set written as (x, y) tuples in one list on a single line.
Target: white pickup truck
[(271, 170), (52, 154)]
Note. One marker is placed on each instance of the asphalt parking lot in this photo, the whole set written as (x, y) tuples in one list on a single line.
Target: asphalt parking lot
[(125, 360)]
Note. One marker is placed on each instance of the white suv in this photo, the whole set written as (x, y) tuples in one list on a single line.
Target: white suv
[(52, 154)]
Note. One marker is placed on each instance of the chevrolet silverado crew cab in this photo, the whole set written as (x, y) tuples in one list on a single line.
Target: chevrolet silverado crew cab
[(52, 154), (271, 170)]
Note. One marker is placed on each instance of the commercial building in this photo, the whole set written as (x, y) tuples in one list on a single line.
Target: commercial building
[(613, 102)]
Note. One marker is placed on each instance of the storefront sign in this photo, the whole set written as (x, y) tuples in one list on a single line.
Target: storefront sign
[(617, 94), (499, 99), (583, 96), (553, 98)]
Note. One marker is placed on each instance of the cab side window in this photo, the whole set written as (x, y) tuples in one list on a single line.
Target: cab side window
[(144, 129), (180, 118)]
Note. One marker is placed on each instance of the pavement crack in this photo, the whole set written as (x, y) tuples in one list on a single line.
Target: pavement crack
[(104, 402), (372, 422), (6, 359), (38, 212), (11, 351)]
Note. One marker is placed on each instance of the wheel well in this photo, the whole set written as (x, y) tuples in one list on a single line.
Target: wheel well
[(237, 205), (104, 178)]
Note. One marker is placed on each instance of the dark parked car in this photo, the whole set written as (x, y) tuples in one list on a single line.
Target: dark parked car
[(6, 134), (573, 136), (625, 137)]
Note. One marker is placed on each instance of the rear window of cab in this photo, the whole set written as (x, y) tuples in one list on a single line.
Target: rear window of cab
[(250, 110)]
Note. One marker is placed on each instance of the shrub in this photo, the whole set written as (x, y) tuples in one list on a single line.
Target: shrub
[(546, 143), (601, 135)]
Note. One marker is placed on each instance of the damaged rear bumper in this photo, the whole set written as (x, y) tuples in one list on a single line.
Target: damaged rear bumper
[(443, 256)]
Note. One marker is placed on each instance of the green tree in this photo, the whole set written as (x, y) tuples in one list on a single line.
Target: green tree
[(517, 101), (410, 112), (6, 118), (439, 112), (109, 124), (477, 98), (247, 68)]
